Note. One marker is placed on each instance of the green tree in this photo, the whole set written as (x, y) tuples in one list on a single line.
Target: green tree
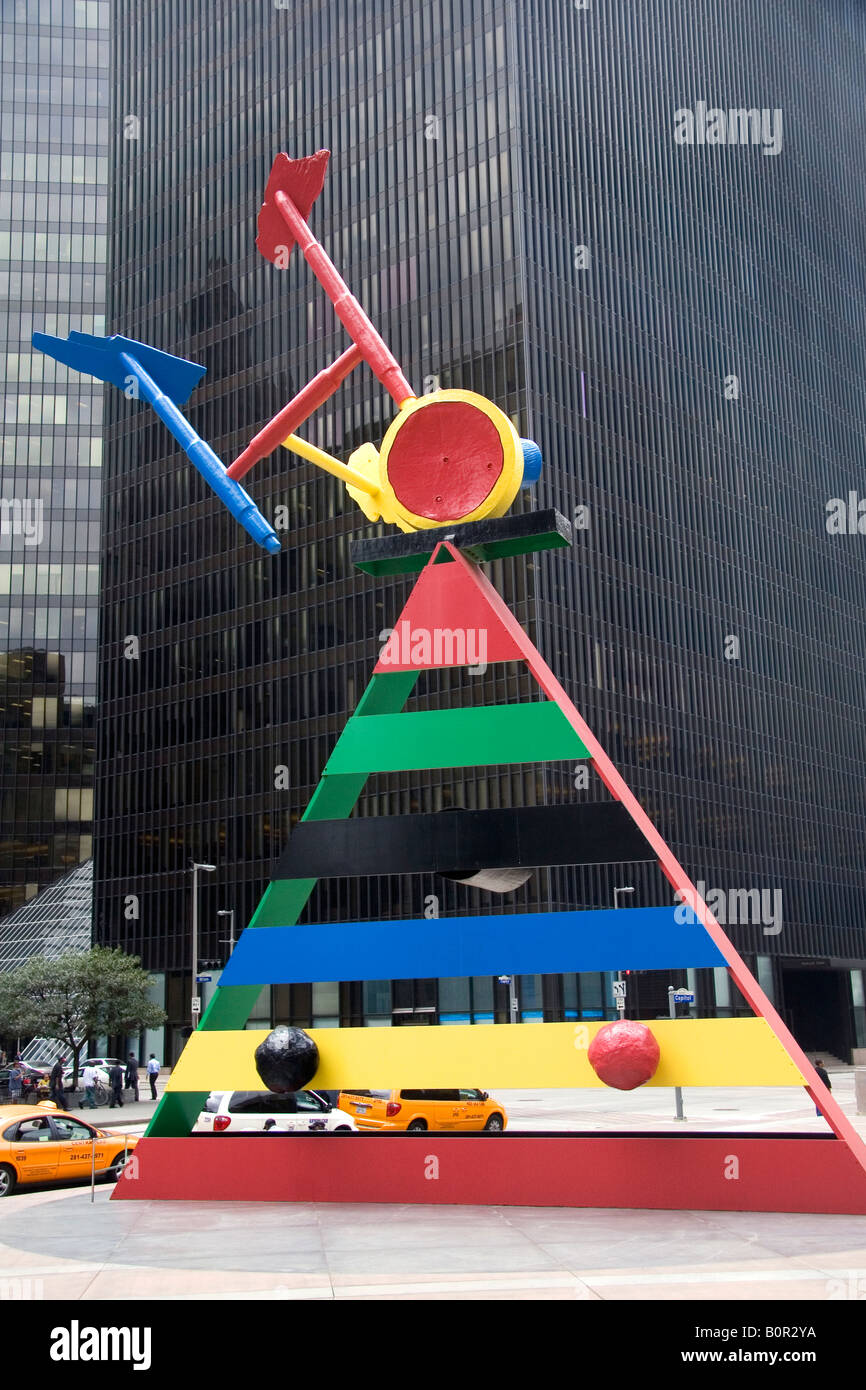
[(77, 997)]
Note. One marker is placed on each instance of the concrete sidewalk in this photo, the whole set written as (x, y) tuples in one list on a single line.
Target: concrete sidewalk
[(56, 1245)]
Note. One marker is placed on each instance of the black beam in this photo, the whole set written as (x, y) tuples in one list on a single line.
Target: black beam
[(462, 842), (478, 540)]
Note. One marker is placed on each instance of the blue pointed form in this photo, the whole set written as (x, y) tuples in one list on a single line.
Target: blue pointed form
[(165, 382), (103, 358)]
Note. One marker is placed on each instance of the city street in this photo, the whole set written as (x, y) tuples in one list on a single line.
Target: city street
[(759, 1109)]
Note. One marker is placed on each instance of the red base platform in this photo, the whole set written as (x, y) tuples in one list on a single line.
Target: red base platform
[(731, 1172)]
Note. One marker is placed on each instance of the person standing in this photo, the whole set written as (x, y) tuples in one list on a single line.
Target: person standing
[(822, 1072), (131, 1078), (16, 1083), (88, 1081), (58, 1095), (115, 1081), (152, 1074)]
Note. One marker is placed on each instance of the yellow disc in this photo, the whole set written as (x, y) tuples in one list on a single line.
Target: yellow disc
[(450, 457)]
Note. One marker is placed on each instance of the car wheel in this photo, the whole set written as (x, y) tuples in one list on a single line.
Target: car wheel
[(118, 1165), (416, 1126), (8, 1180), (342, 1129), (495, 1124)]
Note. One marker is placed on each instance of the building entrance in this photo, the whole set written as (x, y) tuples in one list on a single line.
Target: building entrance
[(818, 1009)]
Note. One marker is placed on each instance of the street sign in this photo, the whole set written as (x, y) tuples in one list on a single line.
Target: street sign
[(196, 1005), (619, 989), (204, 979), (504, 979), (682, 996)]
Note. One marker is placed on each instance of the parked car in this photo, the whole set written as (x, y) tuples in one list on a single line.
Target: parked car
[(459, 1109), (39, 1143), (252, 1112), (100, 1065), (31, 1079)]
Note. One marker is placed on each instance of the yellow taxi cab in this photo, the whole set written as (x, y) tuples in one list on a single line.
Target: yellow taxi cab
[(39, 1143), (462, 1108)]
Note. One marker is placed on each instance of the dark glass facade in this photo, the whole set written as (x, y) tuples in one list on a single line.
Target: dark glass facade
[(54, 97), (509, 201)]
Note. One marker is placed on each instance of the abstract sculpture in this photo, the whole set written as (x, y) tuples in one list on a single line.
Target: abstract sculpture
[(448, 469), (449, 457)]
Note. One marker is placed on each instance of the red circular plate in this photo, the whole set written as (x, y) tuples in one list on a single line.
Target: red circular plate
[(444, 460)]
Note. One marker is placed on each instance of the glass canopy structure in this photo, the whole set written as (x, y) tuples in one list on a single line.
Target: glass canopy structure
[(56, 922)]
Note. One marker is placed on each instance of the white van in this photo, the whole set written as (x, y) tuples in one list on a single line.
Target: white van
[(256, 1112)]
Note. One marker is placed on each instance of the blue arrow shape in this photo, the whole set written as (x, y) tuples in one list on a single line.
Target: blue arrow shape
[(165, 381)]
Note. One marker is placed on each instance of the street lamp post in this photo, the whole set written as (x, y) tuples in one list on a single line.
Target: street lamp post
[(194, 999), (230, 913), (620, 993)]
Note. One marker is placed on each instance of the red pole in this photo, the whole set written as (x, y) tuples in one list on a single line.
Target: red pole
[(356, 323), (299, 409)]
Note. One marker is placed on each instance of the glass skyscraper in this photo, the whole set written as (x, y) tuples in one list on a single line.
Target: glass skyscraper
[(53, 211), (525, 200)]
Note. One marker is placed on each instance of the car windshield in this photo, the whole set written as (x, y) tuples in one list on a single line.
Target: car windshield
[(262, 1103), (72, 1129)]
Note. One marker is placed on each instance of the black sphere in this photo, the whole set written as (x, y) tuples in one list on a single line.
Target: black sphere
[(287, 1060)]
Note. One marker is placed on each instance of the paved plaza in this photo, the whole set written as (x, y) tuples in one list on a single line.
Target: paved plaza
[(57, 1245)]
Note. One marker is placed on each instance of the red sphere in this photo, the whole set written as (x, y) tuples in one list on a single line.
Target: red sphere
[(624, 1055)]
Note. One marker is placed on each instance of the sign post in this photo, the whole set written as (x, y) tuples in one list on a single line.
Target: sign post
[(678, 996), (513, 1005)]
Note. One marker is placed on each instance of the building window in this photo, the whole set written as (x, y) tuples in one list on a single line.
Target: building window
[(858, 999), (529, 998), (326, 1004), (377, 1002)]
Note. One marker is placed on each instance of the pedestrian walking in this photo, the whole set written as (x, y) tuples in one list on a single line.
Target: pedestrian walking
[(16, 1083), (822, 1072), (58, 1095), (152, 1074), (131, 1078), (115, 1081), (88, 1081)]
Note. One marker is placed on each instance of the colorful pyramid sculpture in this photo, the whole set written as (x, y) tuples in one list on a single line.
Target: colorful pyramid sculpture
[(452, 613)]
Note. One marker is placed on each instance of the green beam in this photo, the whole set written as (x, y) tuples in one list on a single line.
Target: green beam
[(282, 904), (474, 737), (178, 1111)]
